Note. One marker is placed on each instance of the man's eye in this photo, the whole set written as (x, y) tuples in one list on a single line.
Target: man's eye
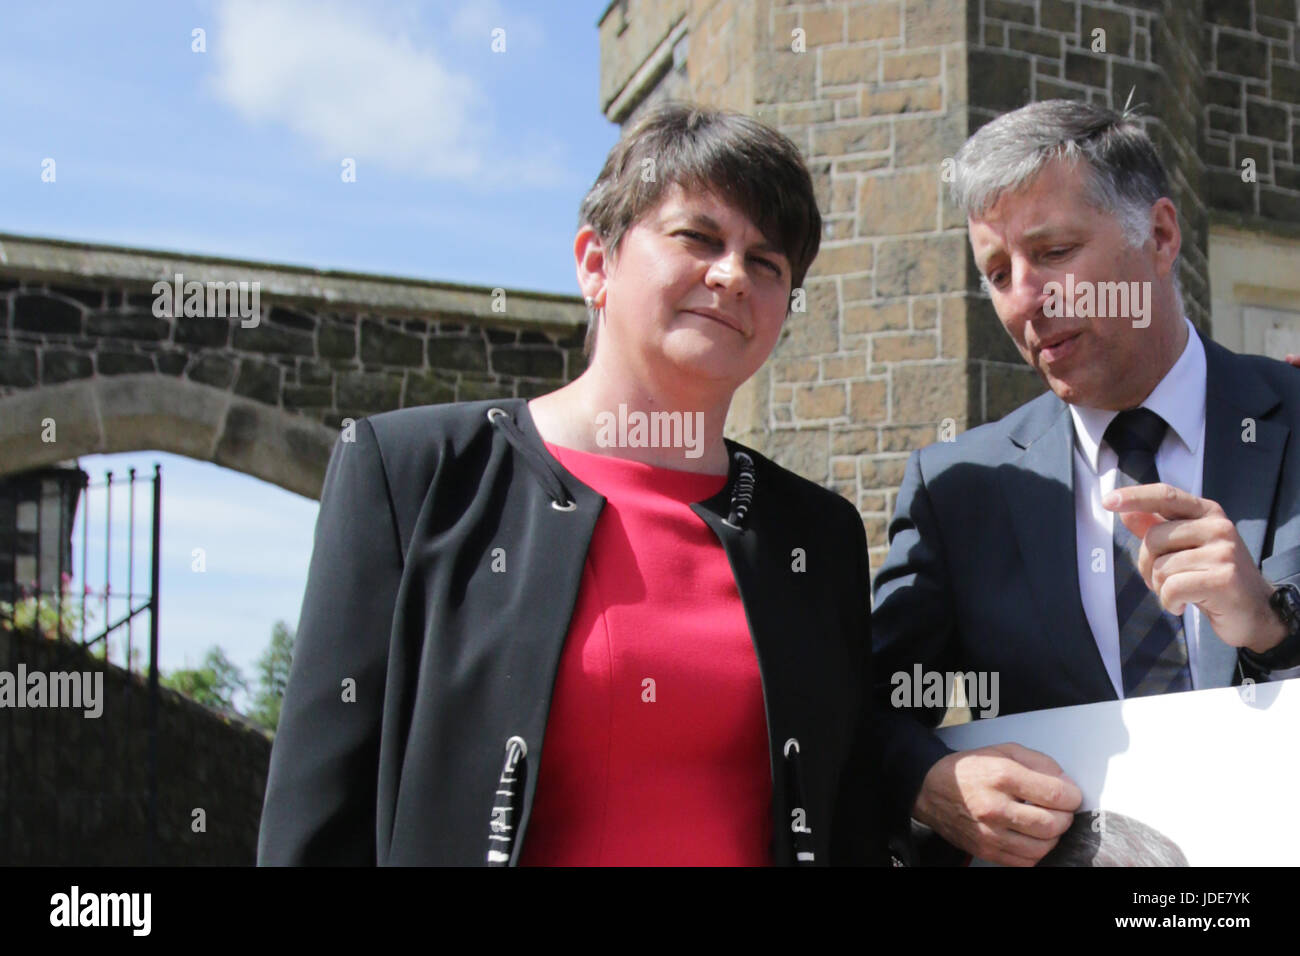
[(1061, 251), (774, 267), (696, 236)]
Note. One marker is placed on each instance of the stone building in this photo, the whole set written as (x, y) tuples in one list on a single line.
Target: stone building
[(898, 342)]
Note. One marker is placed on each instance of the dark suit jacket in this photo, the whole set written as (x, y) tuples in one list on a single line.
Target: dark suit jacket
[(451, 660), (982, 570)]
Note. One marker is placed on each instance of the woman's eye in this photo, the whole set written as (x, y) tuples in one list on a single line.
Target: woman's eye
[(693, 236)]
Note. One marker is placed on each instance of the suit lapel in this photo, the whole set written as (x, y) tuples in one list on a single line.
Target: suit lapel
[(1243, 448), (1243, 460), (1039, 490)]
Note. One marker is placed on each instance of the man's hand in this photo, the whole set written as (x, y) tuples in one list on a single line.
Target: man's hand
[(1191, 554), (1006, 804)]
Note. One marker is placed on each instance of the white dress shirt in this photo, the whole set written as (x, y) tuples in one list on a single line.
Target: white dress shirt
[(1180, 400)]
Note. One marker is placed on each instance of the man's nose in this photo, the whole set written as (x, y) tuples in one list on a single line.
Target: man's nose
[(1028, 289)]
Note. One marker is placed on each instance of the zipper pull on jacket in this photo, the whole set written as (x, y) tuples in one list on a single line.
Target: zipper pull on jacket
[(742, 494), (510, 789), (801, 835)]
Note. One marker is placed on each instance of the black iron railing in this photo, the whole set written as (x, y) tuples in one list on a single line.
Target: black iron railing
[(37, 515)]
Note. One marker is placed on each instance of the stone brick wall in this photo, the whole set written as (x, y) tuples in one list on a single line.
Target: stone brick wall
[(643, 54), (899, 344), (1251, 59), (323, 363), (76, 788), (877, 363)]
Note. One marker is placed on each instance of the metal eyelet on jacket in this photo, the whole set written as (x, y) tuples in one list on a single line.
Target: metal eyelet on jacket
[(561, 500), (742, 495), (800, 831), (510, 789)]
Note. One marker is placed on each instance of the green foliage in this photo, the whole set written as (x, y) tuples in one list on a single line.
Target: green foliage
[(273, 677), (213, 685), (46, 615), (218, 680)]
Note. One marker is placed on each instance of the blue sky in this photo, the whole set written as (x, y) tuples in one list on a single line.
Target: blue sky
[(470, 165)]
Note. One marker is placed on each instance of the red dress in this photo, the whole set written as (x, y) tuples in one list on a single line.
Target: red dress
[(656, 748)]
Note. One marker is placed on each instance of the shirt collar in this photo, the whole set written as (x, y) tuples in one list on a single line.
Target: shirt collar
[(1179, 399)]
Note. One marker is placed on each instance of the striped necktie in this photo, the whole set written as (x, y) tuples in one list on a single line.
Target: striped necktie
[(1152, 647)]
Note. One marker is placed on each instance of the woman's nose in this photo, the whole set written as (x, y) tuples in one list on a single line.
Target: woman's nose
[(728, 272)]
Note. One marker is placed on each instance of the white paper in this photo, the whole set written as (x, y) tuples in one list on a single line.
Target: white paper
[(1215, 771)]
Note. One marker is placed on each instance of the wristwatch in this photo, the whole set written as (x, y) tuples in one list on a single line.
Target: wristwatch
[(1285, 602)]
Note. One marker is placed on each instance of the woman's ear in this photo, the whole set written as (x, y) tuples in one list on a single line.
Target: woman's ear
[(592, 264)]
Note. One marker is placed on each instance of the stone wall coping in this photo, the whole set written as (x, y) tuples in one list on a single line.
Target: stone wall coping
[(647, 76), (1252, 226), (60, 261), (609, 7)]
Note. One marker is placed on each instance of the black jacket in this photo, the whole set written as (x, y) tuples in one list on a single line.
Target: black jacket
[(413, 724)]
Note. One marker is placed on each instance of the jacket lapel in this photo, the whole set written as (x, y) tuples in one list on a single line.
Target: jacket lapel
[(1243, 460), (746, 559), (1243, 448), (1039, 491), (797, 675)]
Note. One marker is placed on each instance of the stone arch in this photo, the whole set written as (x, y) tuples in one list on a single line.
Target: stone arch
[(163, 412), (259, 365)]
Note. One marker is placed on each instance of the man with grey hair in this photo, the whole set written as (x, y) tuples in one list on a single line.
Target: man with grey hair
[(1133, 531)]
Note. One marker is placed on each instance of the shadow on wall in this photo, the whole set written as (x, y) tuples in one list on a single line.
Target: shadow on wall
[(78, 788)]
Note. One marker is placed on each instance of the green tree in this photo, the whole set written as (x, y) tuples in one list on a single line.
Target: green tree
[(273, 677), (213, 685)]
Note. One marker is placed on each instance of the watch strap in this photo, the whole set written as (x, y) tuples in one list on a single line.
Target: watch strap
[(1286, 603)]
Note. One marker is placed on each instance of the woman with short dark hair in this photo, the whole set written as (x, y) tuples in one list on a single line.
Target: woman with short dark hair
[(588, 629)]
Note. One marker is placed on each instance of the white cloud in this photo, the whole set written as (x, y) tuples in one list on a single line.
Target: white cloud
[(350, 80)]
